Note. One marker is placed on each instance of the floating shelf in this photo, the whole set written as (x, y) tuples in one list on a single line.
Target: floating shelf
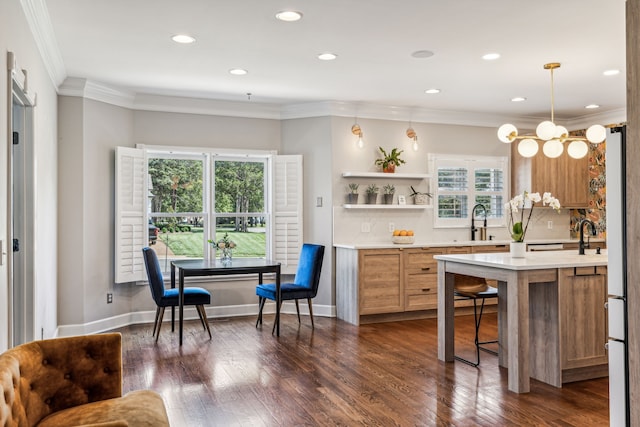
[(386, 175), (372, 206)]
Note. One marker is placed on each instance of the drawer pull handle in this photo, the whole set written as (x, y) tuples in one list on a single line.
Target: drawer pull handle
[(426, 268), (426, 289)]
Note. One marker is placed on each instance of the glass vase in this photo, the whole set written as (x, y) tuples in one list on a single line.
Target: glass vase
[(226, 255)]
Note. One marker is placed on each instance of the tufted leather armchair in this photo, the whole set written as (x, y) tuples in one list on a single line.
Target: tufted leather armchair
[(75, 381)]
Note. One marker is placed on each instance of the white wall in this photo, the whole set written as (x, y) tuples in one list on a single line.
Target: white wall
[(312, 138), (16, 37)]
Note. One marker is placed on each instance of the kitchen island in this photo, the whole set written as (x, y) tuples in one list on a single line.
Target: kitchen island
[(551, 315)]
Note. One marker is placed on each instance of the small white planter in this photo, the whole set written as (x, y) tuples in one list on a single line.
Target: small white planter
[(518, 249)]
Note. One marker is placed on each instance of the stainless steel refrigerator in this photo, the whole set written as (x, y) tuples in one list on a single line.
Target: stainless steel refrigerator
[(617, 267)]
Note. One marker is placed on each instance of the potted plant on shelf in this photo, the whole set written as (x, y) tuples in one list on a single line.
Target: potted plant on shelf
[(390, 160), (418, 197), (388, 191), (372, 194), (352, 193)]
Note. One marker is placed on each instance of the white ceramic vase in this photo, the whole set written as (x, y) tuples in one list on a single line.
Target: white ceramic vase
[(518, 249)]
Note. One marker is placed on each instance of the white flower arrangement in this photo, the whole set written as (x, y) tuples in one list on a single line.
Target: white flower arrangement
[(518, 229)]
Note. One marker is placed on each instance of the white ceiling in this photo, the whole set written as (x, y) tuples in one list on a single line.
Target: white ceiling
[(127, 44)]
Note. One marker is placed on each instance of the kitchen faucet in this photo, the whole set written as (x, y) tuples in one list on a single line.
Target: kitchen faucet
[(582, 245), (473, 219)]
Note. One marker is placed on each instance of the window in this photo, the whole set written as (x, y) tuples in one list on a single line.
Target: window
[(462, 183), (193, 197)]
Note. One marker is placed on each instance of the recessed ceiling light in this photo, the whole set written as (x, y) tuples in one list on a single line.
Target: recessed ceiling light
[(238, 71), (183, 38), (327, 56), (518, 99), (432, 91), (490, 56), (611, 72), (289, 15), (422, 54), (592, 106)]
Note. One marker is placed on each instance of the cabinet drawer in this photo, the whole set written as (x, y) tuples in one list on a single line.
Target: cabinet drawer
[(490, 248), (421, 301), (417, 280), (423, 258)]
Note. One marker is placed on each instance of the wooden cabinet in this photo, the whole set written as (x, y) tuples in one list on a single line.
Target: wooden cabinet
[(421, 278), (564, 177), (392, 282), (582, 293), (381, 288)]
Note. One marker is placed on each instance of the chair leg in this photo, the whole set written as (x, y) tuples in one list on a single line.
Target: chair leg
[(155, 322), (202, 322), (311, 312), (261, 302), (273, 330), (476, 323), (203, 316), (298, 310), (160, 323)]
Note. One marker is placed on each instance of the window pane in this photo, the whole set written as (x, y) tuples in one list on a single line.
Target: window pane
[(239, 186), (489, 180), (175, 185), (452, 206), (176, 237), (247, 232), (493, 204), (453, 179)]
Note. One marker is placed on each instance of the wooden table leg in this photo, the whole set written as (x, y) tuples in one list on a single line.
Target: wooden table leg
[(518, 332), (445, 314)]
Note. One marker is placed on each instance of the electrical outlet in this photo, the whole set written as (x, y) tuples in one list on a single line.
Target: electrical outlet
[(365, 227), (550, 225), (318, 202), (392, 227), (109, 298)]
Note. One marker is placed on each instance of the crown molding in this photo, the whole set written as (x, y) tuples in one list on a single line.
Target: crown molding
[(37, 16), (212, 107), (81, 87)]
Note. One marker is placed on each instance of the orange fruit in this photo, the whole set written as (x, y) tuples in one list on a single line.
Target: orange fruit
[(409, 232), (396, 232), (403, 232)]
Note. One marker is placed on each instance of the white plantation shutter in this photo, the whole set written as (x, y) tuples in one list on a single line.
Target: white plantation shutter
[(287, 211), (131, 231)]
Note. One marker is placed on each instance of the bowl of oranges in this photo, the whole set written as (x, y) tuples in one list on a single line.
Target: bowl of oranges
[(403, 237)]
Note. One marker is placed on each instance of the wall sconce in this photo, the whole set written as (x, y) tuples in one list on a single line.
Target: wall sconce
[(356, 130), (412, 134)]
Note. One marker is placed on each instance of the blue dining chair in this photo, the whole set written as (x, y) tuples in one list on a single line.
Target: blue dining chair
[(305, 284), (169, 297)]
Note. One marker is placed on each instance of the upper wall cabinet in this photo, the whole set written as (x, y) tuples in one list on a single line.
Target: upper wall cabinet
[(564, 177)]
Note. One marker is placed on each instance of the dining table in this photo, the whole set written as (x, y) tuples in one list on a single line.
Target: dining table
[(217, 267)]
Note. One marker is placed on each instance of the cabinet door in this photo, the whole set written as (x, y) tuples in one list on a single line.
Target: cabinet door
[(421, 278), (582, 293), (380, 281), (574, 175)]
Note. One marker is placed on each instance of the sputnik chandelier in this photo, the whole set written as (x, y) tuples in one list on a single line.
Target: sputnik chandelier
[(552, 135)]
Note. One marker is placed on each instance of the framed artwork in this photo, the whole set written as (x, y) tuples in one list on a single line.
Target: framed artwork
[(402, 200)]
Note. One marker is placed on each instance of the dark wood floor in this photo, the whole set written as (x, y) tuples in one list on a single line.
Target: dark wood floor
[(382, 374)]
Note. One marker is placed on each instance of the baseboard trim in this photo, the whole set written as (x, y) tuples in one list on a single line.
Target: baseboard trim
[(190, 313)]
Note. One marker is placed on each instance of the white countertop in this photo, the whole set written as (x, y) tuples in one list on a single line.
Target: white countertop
[(423, 244), (532, 260)]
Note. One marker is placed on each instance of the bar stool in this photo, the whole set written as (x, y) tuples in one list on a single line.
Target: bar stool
[(473, 288)]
